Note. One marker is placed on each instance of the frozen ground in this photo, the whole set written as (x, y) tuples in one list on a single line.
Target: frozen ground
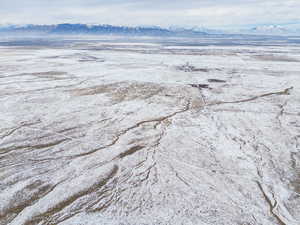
[(149, 133)]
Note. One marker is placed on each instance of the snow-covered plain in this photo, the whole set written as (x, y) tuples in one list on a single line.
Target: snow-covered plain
[(135, 133)]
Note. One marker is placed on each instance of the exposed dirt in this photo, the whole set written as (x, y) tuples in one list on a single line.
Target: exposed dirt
[(216, 81)]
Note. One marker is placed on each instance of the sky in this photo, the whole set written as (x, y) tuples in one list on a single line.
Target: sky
[(185, 13)]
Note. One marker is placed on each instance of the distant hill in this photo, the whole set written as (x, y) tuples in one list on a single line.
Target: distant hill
[(155, 31), (271, 30), (67, 28)]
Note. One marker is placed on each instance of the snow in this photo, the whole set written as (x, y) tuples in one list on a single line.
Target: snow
[(96, 135)]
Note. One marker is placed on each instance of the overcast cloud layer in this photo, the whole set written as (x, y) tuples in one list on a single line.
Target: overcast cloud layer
[(208, 13)]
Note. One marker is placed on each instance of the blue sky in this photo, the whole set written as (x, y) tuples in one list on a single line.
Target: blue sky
[(206, 13)]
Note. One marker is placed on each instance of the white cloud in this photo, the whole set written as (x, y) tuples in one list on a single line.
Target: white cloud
[(217, 13)]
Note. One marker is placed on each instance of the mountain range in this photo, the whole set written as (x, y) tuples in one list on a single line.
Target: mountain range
[(79, 29), (98, 30), (271, 30)]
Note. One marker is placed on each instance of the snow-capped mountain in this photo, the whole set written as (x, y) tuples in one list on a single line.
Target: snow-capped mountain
[(271, 30), (99, 29), (197, 29), (187, 31)]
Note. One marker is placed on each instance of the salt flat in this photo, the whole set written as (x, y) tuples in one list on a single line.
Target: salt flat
[(146, 133)]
